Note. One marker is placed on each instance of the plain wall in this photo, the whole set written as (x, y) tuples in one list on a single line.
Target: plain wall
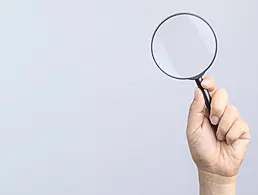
[(84, 110)]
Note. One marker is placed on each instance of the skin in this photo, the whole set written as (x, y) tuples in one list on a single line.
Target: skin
[(218, 153)]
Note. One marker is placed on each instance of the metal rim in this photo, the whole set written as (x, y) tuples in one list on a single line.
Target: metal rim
[(216, 46)]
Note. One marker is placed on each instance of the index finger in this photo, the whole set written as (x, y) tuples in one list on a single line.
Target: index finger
[(209, 84), (218, 105)]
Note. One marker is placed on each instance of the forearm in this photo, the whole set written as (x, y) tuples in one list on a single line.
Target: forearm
[(211, 184)]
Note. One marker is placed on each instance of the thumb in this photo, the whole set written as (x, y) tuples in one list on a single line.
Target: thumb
[(196, 115)]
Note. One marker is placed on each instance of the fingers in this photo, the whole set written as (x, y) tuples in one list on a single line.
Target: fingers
[(228, 118), (238, 130), (231, 127), (218, 105), (209, 84)]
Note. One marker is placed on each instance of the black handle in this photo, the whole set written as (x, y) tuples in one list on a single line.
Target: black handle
[(205, 92), (207, 98)]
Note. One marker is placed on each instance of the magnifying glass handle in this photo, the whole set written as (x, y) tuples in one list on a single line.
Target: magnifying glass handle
[(207, 98), (205, 92)]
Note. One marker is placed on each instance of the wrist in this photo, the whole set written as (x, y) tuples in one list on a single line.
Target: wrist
[(205, 176), (211, 183)]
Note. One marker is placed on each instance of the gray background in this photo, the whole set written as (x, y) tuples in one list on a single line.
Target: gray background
[(84, 110)]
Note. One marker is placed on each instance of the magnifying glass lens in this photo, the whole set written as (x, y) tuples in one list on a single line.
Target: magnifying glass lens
[(184, 46)]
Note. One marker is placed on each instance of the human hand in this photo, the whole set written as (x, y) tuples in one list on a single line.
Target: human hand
[(220, 153)]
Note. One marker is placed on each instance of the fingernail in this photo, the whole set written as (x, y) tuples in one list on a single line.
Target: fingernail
[(205, 82), (214, 120)]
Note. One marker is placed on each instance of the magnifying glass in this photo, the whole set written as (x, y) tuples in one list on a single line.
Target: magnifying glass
[(184, 46)]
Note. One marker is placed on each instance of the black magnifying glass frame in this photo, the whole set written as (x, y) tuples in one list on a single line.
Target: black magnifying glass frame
[(197, 78)]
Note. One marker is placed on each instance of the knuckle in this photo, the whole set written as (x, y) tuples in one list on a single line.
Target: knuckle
[(244, 127), (222, 93), (248, 129), (231, 107), (223, 90)]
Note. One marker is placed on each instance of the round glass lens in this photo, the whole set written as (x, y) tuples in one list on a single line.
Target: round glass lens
[(184, 46)]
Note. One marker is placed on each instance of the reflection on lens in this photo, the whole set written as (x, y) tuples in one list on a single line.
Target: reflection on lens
[(184, 46)]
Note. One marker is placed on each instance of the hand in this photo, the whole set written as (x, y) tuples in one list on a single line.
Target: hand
[(218, 152)]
